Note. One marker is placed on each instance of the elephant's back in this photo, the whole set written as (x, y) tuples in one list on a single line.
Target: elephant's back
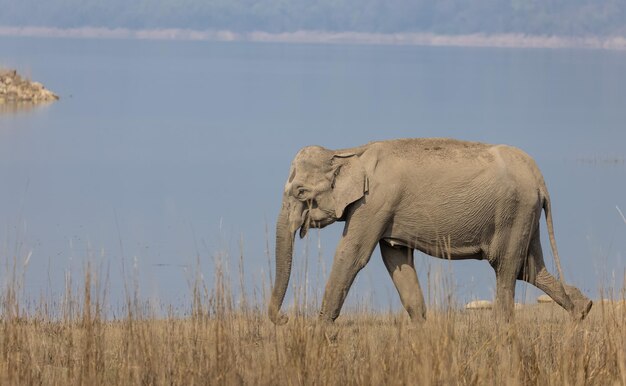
[(435, 150), (515, 161), (520, 170)]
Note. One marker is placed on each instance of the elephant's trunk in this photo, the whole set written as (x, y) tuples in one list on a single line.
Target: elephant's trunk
[(284, 253)]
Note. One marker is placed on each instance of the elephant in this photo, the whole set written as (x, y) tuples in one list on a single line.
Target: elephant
[(447, 198)]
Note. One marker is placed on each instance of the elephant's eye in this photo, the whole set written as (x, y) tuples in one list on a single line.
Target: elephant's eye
[(301, 193)]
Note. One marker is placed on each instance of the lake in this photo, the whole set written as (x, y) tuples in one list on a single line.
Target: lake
[(163, 157)]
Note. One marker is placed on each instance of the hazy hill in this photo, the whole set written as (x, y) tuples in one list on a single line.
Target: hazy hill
[(536, 17)]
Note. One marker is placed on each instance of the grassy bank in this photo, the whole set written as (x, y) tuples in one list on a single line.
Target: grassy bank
[(223, 341)]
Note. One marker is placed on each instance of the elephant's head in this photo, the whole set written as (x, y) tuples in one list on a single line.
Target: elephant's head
[(321, 185)]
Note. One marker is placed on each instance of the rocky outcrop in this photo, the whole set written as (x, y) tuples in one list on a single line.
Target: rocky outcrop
[(544, 299), (486, 305), (479, 305), (15, 89)]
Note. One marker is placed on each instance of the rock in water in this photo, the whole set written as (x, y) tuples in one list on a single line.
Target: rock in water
[(15, 89), (544, 299), (479, 305)]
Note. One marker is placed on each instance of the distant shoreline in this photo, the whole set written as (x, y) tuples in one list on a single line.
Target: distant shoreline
[(323, 37)]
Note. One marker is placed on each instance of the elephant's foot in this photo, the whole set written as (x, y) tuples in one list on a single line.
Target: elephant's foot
[(581, 308), (417, 313), (503, 316), (331, 336), (417, 318), (279, 319), (417, 321), (582, 304), (327, 330), (504, 310)]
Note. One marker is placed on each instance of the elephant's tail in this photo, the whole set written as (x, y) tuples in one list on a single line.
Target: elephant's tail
[(548, 211)]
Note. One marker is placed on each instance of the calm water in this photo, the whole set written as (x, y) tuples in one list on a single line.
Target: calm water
[(162, 154)]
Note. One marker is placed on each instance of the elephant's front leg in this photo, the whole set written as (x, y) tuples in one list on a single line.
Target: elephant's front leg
[(399, 263), (353, 252)]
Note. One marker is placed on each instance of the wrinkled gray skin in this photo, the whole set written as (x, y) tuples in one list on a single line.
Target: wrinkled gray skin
[(447, 198)]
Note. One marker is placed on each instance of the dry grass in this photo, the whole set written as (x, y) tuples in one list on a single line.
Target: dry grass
[(223, 341)]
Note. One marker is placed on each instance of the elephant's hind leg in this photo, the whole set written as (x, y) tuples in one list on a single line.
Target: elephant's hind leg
[(399, 263), (570, 298), (506, 255), (506, 273)]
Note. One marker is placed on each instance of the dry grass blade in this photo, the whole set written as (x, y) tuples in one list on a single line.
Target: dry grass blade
[(620, 213)]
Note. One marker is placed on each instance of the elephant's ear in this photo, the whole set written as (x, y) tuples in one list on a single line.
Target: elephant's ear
[(349, 181)]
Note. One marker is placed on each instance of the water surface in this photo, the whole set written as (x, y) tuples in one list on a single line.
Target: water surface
[(163, 154)]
